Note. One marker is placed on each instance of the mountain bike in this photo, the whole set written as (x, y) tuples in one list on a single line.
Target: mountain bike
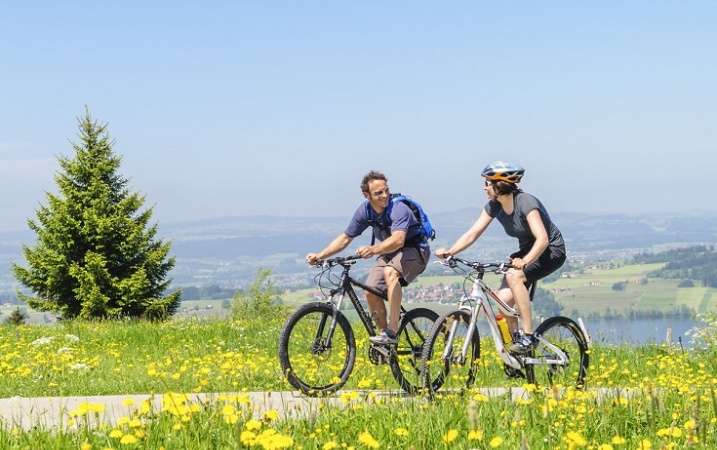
[(451, 355), (317, 345)]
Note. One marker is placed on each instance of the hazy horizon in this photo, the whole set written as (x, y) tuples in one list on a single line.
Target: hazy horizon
[(237, 109)]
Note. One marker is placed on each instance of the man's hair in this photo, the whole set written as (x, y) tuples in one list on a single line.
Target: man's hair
[(504, 188), (371, 176)]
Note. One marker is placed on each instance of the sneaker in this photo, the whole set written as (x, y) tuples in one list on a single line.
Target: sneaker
[(385, 337), (524, 344)]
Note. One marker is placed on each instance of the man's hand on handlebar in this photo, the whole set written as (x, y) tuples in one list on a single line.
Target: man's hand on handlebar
[(365, 252), (312, 259), (443, 253)]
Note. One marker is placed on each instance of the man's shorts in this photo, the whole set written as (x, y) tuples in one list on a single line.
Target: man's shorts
[(410, 262)]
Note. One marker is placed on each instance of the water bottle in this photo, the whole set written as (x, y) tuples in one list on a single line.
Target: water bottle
[(503, 327)]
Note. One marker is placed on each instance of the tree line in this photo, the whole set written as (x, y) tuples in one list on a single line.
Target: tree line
[(697, 262)]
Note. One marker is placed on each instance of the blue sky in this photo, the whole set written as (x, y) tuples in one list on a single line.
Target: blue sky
[(230, 108)]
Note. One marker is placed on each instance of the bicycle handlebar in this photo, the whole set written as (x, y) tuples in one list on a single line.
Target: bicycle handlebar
[(496, 267), (343, 260)]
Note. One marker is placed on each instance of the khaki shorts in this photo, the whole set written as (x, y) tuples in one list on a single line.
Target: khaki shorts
[(410, 262)]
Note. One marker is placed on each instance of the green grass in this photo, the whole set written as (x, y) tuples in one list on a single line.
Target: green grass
[(648, 393)]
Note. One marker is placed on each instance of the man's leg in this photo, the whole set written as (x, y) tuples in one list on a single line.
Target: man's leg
[(394, 292), (377, 310)]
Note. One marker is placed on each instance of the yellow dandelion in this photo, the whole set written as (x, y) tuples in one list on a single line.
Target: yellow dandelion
[(128, 439), (128, 402), (450, 436), (86, 446), (605, 447), (272, 414), (575, 438), (116, 434), (480, 398), (496, 441), (618, 440), (644, 444), (366, 439), (475, 435), (329, 445), (401, 432), (252, 424)]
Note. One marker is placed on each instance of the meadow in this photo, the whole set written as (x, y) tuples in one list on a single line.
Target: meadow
[(637, 398)]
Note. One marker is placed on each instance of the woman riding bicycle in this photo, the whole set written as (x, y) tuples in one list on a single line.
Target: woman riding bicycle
[(541, 246)]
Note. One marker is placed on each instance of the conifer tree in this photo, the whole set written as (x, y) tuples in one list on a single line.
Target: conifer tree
[(95, 255)]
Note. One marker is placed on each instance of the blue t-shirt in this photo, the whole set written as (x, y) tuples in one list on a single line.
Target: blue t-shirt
[(401, 219), (516, 224)]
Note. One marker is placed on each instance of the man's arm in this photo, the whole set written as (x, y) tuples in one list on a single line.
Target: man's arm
[(339, 243), (388, 245)]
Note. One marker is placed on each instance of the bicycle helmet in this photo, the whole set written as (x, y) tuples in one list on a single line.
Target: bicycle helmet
[(503, 171)]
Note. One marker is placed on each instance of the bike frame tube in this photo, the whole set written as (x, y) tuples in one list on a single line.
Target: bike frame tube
[(484, 298)]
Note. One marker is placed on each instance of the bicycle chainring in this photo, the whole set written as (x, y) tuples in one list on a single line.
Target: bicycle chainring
[(379, 355)]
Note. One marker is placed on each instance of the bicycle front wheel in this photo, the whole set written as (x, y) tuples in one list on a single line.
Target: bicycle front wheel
[(547, 369), (444, 364), (317, 353), (407, 363)]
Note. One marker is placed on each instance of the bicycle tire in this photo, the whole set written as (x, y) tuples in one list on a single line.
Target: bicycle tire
[(565, 334), (451, 373), (406, 361), (308, 363)]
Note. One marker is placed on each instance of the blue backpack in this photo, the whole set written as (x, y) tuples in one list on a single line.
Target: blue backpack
[(427, 231)]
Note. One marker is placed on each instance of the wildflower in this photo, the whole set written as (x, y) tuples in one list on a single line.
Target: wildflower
[(475, 435), (128, 439), (366, 439), (42, 341), (272, 414), (86, 446), (329, 445), (401, 432), (252, 425), (128, 401), (71, 338), (644, 444), (496, 442), (617, 440), (115, 434), (575, 439), (605, 447), (450, 436)]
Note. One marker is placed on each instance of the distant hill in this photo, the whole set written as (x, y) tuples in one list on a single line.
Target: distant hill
[(228, 251)]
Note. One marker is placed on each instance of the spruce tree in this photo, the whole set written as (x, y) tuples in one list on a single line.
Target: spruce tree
[(95, 255)]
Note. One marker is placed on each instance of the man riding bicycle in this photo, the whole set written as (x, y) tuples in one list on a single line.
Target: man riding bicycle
[(402, 251)]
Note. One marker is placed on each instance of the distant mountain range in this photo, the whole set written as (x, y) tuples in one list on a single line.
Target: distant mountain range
[(228, 251)]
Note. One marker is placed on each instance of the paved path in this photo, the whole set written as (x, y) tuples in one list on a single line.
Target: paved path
[(50, 412)]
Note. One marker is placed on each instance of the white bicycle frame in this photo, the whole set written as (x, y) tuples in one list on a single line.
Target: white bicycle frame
[(481, 294)]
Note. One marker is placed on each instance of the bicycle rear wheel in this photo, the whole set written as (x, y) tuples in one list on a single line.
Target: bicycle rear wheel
[(311, 362), (407, 362), (566, 335), (443, 362)]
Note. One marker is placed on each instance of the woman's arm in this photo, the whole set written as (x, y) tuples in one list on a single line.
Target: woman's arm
[(537, 228), (469, 237)]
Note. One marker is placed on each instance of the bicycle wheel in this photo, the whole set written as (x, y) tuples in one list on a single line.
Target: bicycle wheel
[(406, 363), (566, 335), (443, 362), (311, 362)]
